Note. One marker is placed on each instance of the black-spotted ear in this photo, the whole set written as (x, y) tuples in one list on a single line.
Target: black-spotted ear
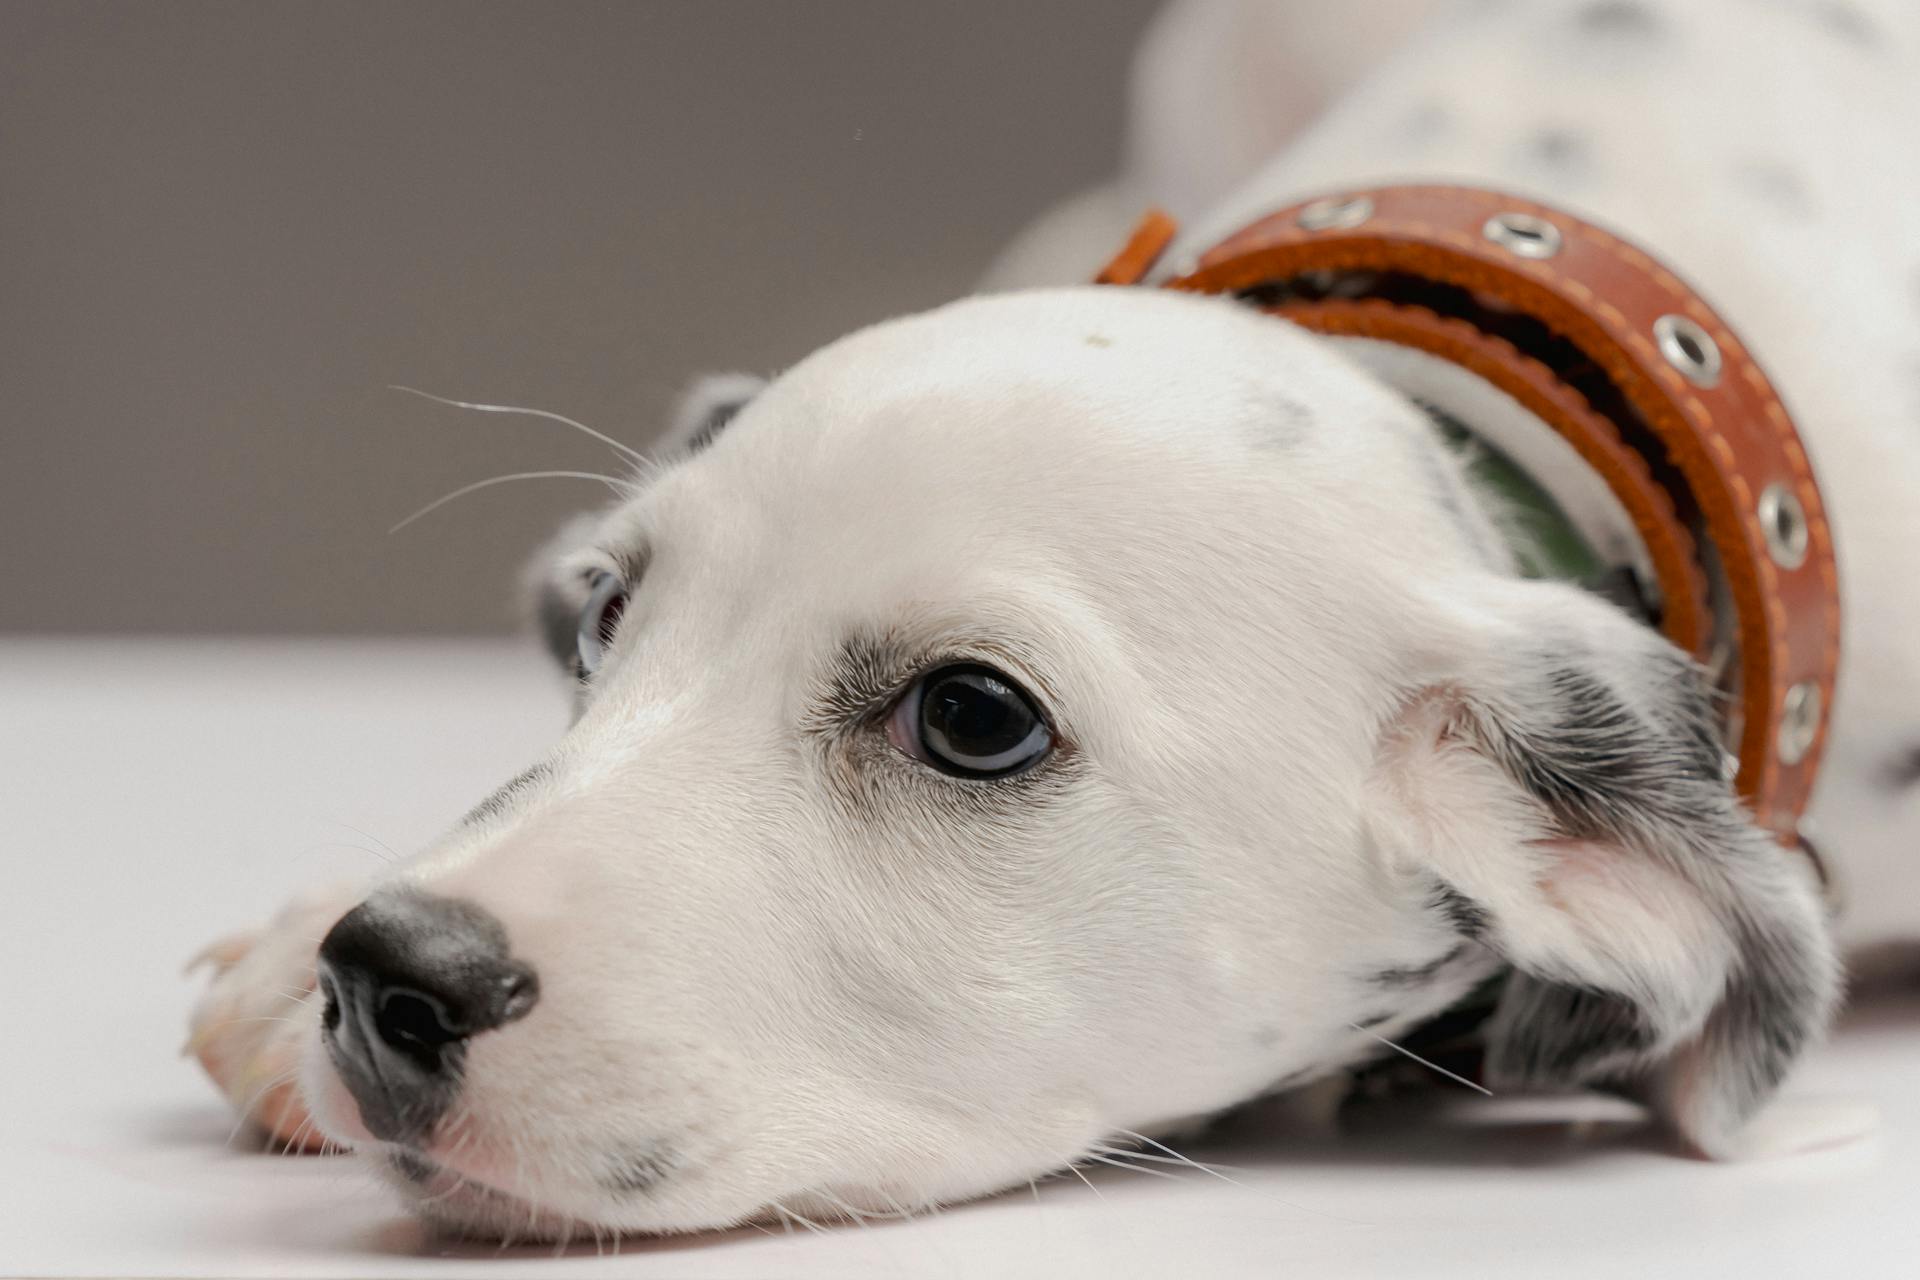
[(706, 409), (1561, 778)]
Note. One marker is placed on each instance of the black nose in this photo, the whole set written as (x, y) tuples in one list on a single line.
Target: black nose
[(408, 979)]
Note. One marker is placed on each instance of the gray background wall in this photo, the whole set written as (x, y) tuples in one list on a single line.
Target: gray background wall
[(225, 228)]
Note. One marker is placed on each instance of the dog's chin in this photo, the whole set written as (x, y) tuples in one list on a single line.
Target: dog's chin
[(457, 1203), (459, 1207)]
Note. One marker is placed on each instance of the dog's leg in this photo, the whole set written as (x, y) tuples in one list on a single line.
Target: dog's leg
[(251, 1024)]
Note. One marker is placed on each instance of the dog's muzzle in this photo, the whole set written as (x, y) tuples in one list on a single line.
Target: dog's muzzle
[(408, 980)]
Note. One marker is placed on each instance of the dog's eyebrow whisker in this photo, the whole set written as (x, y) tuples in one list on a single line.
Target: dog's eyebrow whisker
[(639, 459), (612, 482), (368, 835), (1405, 1052), (345, 844)]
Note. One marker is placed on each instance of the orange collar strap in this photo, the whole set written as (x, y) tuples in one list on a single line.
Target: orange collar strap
[(1646, 383)]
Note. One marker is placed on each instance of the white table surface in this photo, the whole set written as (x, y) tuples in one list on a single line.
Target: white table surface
[(155, 794)]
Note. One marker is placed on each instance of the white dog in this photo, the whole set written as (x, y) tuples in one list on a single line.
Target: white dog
[(1063, 714)]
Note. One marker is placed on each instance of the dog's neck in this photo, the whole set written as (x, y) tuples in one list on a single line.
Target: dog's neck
[(1613, 387), (1538, 535), (1555, 515)]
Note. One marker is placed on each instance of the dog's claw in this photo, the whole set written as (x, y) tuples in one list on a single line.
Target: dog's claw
[(223, 954)]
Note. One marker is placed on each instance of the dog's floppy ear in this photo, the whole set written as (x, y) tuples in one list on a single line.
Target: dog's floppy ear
[(1555, 778), (705, 410)]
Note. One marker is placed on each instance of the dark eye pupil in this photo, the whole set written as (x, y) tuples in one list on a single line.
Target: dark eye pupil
[(970, 716)]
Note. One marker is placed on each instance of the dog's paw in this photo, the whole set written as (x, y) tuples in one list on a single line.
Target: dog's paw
[(249, 1027), (1798, 1126)]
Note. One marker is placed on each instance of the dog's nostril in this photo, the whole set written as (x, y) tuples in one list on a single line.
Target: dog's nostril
[(330, 1006), (519, 991), (416, 1024)]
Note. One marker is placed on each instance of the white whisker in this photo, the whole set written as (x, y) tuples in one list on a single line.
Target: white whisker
[(612, 482), (246, 1112), (845, 1208), (391, 855), (626, 449), (1148, 1155), (1074, 1169), (1133, 1168), (1204, 1168), (1478, 1088)]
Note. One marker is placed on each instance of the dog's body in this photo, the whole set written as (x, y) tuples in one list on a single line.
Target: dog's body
[(1274, 715), (1764, 148)]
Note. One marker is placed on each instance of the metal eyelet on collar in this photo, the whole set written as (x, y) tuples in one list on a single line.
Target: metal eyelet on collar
[(1688, 348), (1799, 722), (1784, 524), (1335, 212), (1523, 234)]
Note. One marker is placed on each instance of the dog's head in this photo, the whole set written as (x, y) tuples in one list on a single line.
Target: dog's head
[(1053, 715)]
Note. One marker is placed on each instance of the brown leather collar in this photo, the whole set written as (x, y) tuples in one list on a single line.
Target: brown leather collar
[(1627, 364)]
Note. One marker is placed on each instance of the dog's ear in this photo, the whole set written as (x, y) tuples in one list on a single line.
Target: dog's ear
[(705, 410), (1555, 779)]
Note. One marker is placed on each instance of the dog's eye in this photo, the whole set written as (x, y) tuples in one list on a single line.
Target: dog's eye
[(970, 721), (598, 619)]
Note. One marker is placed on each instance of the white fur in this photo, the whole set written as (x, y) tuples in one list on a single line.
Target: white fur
[(816, 974)]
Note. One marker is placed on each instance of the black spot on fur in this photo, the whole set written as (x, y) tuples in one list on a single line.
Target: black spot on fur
[(415, 1169), (1599, 763), (1285, 423), (1423, 126), (1903, 771), (1463, 915), (1628, 755), (1572, 1031), (502, 799), (1618, 18), (637, 1169), (1414, 975), (1848, 23), (1777, 186), (1566, 151)]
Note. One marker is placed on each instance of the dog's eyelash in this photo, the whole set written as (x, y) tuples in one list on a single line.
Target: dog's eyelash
[(869, 676)]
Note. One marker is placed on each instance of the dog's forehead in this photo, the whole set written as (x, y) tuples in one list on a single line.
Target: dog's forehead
[(1011, 405), (1117, 361), (1059, 440)]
